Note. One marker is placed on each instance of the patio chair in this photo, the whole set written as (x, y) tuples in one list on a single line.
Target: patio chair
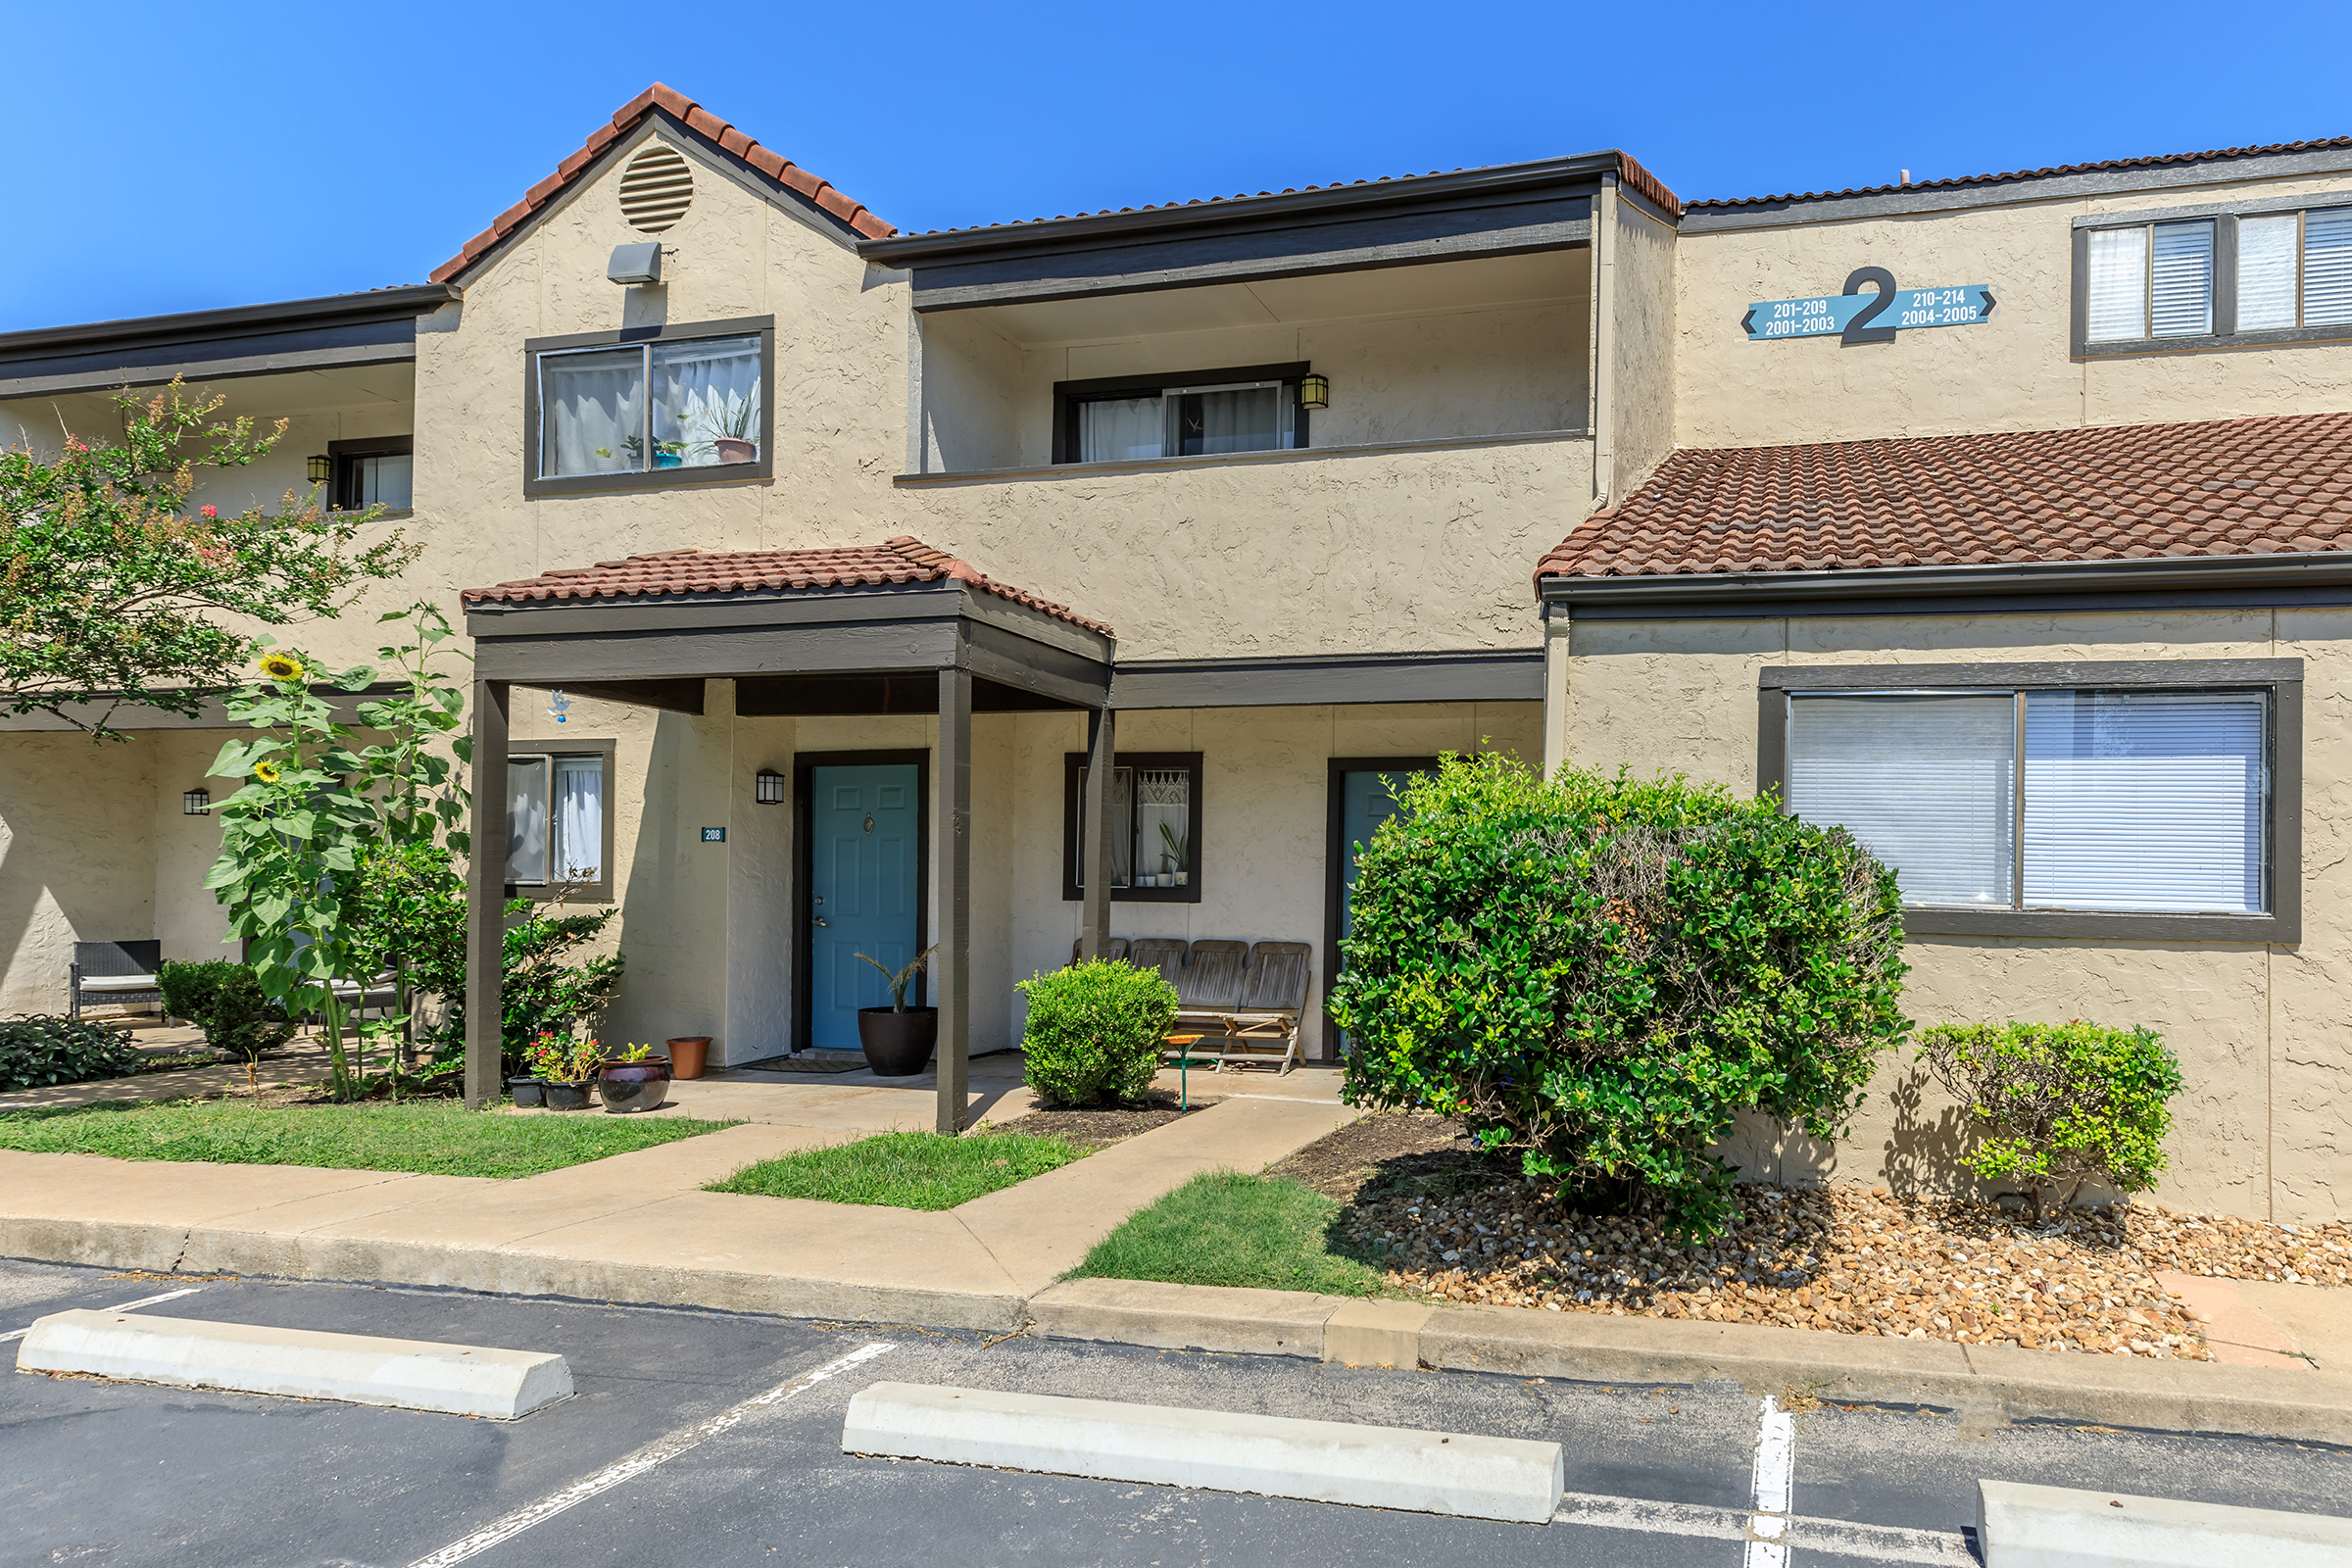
[(113, 971), (1114, 950), (1264, 1026), (1164, 954), (1210, 987)]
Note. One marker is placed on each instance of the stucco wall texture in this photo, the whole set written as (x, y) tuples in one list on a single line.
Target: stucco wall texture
[(2265, 1125)]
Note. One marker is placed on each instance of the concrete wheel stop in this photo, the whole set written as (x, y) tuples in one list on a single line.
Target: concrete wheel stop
[(1215, 1450), (2022, 1525), (299, 1364)]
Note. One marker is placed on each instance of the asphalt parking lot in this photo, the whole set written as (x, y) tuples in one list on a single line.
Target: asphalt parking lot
[(95, 1473)]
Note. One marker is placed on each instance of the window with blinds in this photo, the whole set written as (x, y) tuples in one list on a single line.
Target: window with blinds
[(2153, 801), (2149, 281)]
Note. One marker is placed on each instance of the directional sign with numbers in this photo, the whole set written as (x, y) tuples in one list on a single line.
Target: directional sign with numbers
[(1872, 317)]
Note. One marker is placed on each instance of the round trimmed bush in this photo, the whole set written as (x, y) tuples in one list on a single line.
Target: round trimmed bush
[(1599, 972), (1096, 1029)]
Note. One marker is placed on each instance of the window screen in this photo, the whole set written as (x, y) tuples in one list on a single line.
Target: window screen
[(1923, 782), (2327, 268), (2181, 280), (2266, 272), (2118, 284), (526, 819)]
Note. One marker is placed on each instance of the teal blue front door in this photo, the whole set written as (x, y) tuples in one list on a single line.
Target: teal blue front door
[(1365, 802), (866, 878)]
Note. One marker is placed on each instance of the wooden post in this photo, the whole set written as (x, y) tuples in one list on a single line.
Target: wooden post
[(486, 897), (952, 843), (1094, 906)]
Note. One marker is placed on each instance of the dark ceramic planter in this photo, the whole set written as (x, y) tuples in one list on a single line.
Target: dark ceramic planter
[(527, 1091), (898, 1045), (633, 1085), (567, 1097)]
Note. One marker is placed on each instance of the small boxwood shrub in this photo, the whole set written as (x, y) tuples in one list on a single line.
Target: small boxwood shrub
[(1096, 1029), (226, 1002), (2057, 1106), (1599, 972), (41, 1050)]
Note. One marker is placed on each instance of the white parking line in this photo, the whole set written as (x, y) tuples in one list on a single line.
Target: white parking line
[(636, 1464), (1841, 1537), (127, 1306), (1774, 1481)]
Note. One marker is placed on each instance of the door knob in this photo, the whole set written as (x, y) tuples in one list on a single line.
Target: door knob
[(816, 920)]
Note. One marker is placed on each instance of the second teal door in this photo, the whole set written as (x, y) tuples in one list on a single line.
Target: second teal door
[(865, 883)]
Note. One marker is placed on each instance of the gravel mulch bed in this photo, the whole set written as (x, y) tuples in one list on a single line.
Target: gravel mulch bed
[(1097, 1127), (1450, 1225)]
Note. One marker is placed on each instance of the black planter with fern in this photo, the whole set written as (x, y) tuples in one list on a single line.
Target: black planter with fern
[(898, 1039)]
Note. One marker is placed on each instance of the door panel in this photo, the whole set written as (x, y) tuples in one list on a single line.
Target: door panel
[(1365, 802), (863, 872)]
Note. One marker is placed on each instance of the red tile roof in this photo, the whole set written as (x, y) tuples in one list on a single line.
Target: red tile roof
[(904, 560), (852, 214), (2215, 155), (1629, 173), (2228, 487)]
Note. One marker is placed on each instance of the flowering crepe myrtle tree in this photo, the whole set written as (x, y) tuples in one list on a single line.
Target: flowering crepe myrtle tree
[(117, 593)]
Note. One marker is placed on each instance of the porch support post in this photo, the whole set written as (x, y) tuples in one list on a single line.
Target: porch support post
[(486, 896), (951, 842), (1094, 899)]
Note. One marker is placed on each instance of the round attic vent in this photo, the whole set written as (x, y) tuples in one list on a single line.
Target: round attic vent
[(656, 189)]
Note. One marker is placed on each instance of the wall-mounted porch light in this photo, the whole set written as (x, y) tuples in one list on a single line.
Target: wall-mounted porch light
[(635, 264), (323, 468), (767, 787), (1314, 391), (196, 803)]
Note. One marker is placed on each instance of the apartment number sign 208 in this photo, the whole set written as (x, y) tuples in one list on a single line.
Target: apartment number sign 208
[(1875, 316)]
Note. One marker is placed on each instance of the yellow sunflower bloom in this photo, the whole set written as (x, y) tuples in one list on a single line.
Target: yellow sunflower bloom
[(282, 666), (267, 772)]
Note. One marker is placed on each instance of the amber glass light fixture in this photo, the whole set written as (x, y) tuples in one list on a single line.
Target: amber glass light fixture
[(323, 468), (1314, 391)]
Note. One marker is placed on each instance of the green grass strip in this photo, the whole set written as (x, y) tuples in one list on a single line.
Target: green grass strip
[(1224, 1228), (434, 1137), (904, 1170)]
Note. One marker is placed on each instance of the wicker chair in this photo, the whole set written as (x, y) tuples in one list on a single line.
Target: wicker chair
[(113, 971)]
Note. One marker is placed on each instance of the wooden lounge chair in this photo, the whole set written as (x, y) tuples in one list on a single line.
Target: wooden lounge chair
[(113, 971), (1114, 951), (1264, 1025), (1209, 986)]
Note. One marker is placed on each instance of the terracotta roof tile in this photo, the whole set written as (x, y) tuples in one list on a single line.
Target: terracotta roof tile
[(2226, 487), (852, 214), (2215, 155), (903, 559)]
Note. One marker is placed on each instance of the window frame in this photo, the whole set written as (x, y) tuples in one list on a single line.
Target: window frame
[(760, 470), (2224, 217), (2283, 678), (601, 890), (1068, 395), (1073, 763), (338, 455)]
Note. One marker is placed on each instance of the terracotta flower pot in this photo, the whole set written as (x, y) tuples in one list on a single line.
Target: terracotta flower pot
[(687, 1053), (626, 1085), (898, 1045), (732, 449)]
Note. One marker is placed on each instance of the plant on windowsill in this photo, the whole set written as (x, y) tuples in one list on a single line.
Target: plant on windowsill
[(731, 430), (898, 1039), (1179, 857)]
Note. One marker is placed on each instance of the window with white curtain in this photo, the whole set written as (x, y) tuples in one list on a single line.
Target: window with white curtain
[(557, 829), (2144, 283), (2144, 801), (1154, 820), (674, 402), (1203, 417)]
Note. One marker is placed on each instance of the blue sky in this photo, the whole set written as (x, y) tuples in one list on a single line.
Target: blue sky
[(186, 158)]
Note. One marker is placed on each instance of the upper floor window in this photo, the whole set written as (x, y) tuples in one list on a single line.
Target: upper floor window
[(372, 473), (2253, 277), (1195, 414), (648, 406)]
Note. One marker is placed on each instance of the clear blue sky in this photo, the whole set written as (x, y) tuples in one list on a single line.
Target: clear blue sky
[(182, 157)]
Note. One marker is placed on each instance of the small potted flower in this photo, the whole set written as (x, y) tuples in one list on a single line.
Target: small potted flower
[(564, 1069), (634, 1080), (899, 1039), (730, 429)]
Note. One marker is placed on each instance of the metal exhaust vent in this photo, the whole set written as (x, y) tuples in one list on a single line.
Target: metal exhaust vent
[(656, 189)]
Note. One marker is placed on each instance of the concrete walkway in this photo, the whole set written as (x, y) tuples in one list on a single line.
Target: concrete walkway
[(637, 1227)]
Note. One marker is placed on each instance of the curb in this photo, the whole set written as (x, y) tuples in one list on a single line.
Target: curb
[(2057, 1527), (2192, 1396)]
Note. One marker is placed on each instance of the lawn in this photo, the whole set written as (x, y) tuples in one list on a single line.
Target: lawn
[(1224, 1228), (435, 1137), (904, 1170)]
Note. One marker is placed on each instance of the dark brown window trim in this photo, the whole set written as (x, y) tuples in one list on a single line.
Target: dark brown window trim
[(338, 489), (1067, 395), (761, 471), (601, 890), (2282, 677), (1189, 893)]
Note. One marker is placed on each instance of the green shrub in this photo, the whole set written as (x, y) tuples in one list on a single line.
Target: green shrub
[(1599, 972), (1096, 1029), (39, 1050), (2059, 1104), (226, 1002)]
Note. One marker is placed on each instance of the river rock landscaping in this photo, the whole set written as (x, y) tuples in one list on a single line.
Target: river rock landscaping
[(1448, 1224)]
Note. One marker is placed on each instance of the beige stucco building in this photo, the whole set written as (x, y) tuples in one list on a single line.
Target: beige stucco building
[(1245, 496)]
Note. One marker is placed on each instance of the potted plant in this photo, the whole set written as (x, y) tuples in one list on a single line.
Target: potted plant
[(669, 454), (634, 1080), (898, 1039), (564, 1069), (731, 430), (1178, 856), (687, 1053)]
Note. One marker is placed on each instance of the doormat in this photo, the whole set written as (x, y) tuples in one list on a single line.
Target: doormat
[(806, 1061)]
